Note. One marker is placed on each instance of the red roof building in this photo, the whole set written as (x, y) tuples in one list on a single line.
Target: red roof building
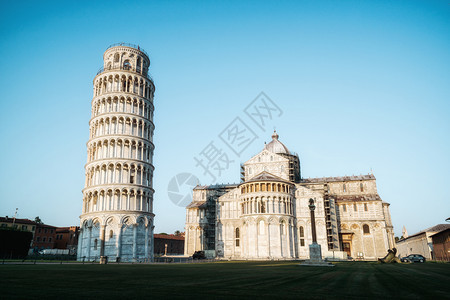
[(174, 243), (67, 238), (441, 245)]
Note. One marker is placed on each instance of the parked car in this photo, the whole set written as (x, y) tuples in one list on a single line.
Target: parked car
[(199, 255), (413, 258)]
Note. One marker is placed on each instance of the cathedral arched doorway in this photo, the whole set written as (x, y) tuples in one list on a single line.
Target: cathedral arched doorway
[(346, 239)]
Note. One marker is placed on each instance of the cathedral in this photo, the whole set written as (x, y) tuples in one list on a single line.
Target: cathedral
[(267, 217)]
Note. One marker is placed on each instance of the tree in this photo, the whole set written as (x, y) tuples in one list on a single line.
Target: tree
[(38, 220), (177, 233)]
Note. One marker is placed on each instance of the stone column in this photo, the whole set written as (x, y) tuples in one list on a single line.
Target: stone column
[(291, 244), (268, 239), (195, 239), (281, 238), (312, 207), (102, 240), (257, 233), (186, 240), (146, 242), (89, 243), (119, 242), (80, 243), (152, 248), (103, 259), (135, 227), (315, 251)]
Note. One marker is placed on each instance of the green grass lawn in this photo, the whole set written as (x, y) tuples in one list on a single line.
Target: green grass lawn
[(225, 280)]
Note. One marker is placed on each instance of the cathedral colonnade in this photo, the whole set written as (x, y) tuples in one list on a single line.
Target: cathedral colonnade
[(117, 210), (268, 229), (265, 237), (268, 237), (114, 199), (267, 197)]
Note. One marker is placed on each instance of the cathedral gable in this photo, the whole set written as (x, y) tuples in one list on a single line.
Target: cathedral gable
[(265, 156), (267, 161)]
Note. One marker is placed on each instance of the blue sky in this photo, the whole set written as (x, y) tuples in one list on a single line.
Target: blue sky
[(362, 85)]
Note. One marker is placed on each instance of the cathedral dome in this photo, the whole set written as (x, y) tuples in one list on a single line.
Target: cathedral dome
[(275, 145)]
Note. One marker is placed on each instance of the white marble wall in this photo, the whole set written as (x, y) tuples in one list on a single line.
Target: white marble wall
[(117, 212)]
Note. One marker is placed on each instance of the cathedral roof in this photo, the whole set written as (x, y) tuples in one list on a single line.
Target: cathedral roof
[(197, 204), (168, 237), (370, 197), (266, 176), (275, 145), (340, 178), (216, 186)]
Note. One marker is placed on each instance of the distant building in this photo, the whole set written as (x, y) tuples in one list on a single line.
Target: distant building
[(16, 243), (441, 245), (67, 238), (421, 242), (22, 224), (175, 244), (44, 237)]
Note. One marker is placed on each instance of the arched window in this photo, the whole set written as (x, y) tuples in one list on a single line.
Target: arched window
[(344, 188), (302, 231), (95, 244), (366, 229), (116, 57), (111, 234), (126, 65), (138, 65), (361, 186), (237, 236)]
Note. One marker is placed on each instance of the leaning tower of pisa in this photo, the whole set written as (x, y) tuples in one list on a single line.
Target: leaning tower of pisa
[(117, 214)]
